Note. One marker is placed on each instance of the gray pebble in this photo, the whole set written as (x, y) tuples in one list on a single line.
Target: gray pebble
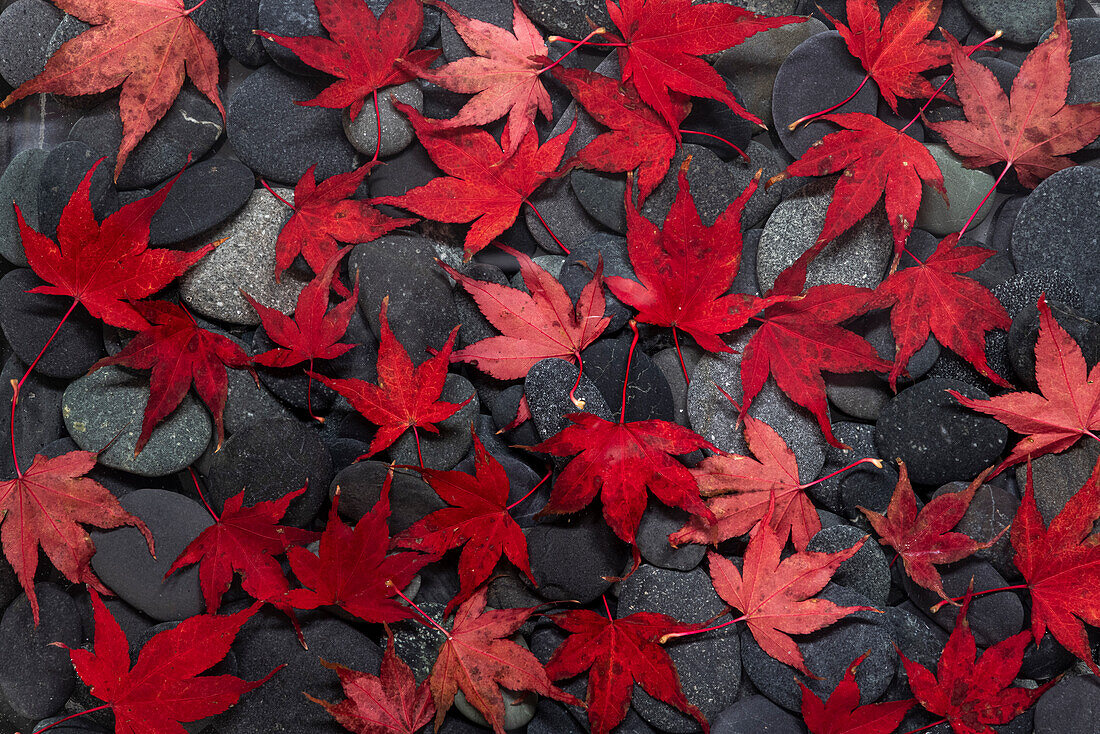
[(397, 133)]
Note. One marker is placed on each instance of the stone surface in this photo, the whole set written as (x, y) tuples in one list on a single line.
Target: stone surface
[(867, 572), (61, 173), (106, 407), (657, 523), (207, 194), (25, 28), (1022, 21), (361, 485), (1057, 477), (244, 261), (446, 448), (19, 184), (858, 257), (572, 557), (1069, 707), (397, 132), (123, 562), (753, 715), (966, 188), (566, 18), (37, 417)]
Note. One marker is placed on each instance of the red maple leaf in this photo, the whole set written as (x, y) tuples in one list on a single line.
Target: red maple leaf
[(44, 506), (479, 659), (1067, 409), (486, 181), (1034, 129), (536, 325), (685, 269), (164, 687), (924, 539), (878, 162), (315, 330), (405, 397), (775, 597), (351, 569), (842, 713), (1060, 565), (617, 653), (934, 298), (896, 50), (323, 216), (660, 42), (972, 694), (143, 45), (639, 137), (799, 338), (104, 265), (741, 489), (503, 75), (179, 352), (363, 51), (477, 522), (388, 703), (244, 540)]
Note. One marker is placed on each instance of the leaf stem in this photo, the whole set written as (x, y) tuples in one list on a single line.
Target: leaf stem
[(626, 377), (989, 193), (586, 42), (794, 125), (378, 122), (437, 625), (950, 76), (309, 393), (670, 635), (419, 456), (547, 228), (579, 403), (680, 355), (521, 499), (576, 44), (718, 137), (929, 726), (195, 479), (78, 713), (607, 607), (272, 191), (16, 386), (957, 599), (853, 465)]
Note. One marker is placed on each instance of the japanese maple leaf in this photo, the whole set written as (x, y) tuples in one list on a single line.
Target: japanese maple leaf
[(44, 507), (363, 51), (799, 338), (620, 461), (179, 352), (617, 653), (477, 522), (741, 489), (104, 265), (165, 686), (1061, 565), (924, 539), (351, 569), (405, 396), (315, 330), (1033, 129), (503, 75), (143, 45), (842, 713), (878, 162), (323, 216), (776, 597), (685, 269), (933, 298), (1067, 409), (486, 183), (974, 694), (478, 658), (388, 703), (896, 50), (244, 540), (639, 138), (536, 325), (661, 40)]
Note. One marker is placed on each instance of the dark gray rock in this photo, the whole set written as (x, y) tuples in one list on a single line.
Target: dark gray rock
[(397, 132), (290, 18), (708, 664), (567, 19), (939, 440), (547, 388), (25, 28), (361, 485), (579, 268), (816, 75), (36, 676), (918, 638), (37, 415), (106, 407), (1085, 34), (1057, 477), (242, 17), (658, 522), (647, 393), (191, 126), (247, 403), (1070, 706), (267, 460), (123, 562), (279, 139), (992, 617), (867, 572), (1023, 21), (573, 557), (28, 319), (668, 361), (61, 173), (966, 187), (989, 513), (755, 714), (446, 448), (1024, 334), (19, 184), (208, 193)]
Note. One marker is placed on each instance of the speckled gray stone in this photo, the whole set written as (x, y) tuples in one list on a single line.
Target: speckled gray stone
[(858, 257), (1058, 228), (566, 17), (245, 261), (1023, 21), (19, 184), (708, 664), (715, 419), (110, 402), (965, 189), (867, 572), (247, 403), (397, 133), (25, 28), (547, 387)]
